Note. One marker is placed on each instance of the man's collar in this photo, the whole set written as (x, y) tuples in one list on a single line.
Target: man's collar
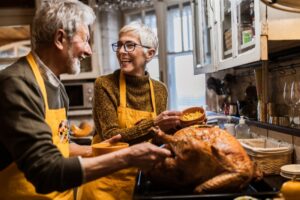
[(46, 72)]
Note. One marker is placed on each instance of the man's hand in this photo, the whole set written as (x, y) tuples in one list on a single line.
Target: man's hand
[(145, 155)]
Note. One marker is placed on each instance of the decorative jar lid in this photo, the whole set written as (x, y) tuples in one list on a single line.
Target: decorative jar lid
[(291, 171)]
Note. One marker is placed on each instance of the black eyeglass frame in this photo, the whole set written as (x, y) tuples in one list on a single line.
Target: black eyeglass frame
[(116, 48)]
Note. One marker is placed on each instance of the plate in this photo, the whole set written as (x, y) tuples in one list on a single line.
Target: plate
[(292, 169), (289, 176)]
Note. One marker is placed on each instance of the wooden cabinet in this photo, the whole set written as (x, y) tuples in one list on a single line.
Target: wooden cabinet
[(231, 33)]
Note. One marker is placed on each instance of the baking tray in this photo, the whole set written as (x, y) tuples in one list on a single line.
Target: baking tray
[(266, 188)]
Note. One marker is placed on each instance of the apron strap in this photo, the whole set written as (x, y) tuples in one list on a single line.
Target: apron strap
[(152, 96), (123, 92), (38, 77)]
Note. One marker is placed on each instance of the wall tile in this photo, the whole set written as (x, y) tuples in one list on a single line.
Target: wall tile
[(297, 149), (259, 131), (280, 136)]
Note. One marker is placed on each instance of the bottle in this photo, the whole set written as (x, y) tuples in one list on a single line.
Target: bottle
[(242, 130), (230, 128)]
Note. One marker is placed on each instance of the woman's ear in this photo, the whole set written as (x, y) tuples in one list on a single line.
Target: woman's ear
[(150, 53), (59, 38)]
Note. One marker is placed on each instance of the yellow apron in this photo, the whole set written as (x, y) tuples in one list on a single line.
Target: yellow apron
[(119, 185), (13, 184)]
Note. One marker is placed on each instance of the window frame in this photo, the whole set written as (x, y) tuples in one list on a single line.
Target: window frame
[(143, 13)]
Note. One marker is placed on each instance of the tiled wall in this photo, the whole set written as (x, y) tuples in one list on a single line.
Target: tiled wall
[(277, 77), (245, 77), (294, 140)]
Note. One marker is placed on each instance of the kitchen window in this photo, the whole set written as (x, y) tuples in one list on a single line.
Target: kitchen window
[(10, 53), (176, 52), (185, 88), (147, 17)]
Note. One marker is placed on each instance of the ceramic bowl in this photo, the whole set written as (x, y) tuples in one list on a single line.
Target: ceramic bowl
[(105, 147), (192, 116)]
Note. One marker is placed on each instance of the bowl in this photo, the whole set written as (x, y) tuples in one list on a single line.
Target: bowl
[(192, 116), (105, 147)]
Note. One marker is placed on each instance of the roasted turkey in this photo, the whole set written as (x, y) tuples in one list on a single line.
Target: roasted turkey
[(207, 159)]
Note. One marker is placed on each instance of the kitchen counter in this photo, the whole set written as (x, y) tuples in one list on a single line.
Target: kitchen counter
[(268, 187)]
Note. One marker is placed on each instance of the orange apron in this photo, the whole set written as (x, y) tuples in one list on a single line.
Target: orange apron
[(13, 184), (119, 185)]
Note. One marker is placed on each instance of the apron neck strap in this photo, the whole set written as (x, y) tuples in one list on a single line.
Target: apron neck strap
[(38, 78), (152, 96), (123, 92)]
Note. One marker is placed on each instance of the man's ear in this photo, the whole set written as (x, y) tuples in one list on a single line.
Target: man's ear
[(150, 53), (59, 38)]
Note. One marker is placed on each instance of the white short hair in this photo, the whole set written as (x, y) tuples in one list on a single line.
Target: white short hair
[(59, 14), (147, 36)]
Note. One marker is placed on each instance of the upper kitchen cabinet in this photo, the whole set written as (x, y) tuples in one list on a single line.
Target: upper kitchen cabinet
[(205, 34), (232, 33), (238, 28), (227, 33)]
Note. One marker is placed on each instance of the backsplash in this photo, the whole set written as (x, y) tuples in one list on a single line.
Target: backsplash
[(279, 74), (243, 85)]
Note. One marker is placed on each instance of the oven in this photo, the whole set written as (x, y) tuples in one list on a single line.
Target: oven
[(80, 95)]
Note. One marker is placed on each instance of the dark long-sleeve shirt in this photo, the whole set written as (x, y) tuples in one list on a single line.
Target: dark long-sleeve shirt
[(25, 137)]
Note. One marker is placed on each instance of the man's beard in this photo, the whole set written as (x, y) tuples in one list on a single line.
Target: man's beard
[(73, 63)]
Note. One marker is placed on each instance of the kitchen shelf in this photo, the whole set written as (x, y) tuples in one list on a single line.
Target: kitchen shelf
[(251, 122), (282, 129)]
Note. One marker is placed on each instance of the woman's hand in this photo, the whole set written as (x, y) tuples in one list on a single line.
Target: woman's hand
[(114, 139), (168, 120)]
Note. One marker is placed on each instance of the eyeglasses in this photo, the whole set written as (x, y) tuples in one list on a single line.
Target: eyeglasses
[(128, 46)]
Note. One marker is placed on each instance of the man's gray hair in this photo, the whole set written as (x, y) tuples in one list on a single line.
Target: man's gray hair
[(59, 14), (147, 36)]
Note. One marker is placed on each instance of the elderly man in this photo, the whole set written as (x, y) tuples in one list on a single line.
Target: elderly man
[(34, 146)]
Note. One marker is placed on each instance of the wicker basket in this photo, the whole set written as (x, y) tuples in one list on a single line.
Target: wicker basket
[(268, 154)]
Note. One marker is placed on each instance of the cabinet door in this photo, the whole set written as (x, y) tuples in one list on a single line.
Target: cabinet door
[(239, 31), (226, 29), (245, 25), (205, 36)]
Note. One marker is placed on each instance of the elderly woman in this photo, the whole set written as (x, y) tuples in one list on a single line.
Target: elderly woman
[(130, 92), (128, 102)]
